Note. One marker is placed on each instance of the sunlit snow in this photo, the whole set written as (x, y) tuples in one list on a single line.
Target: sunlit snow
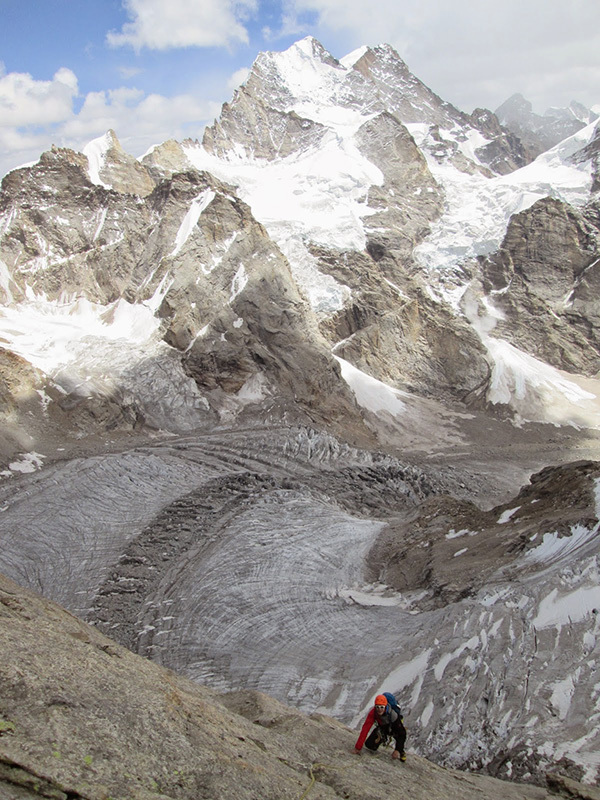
[(370, 393), (478, 208), (539, 392), (95, 151), (566, 609), (48, 333), (191, 219), (554, 547), (318, 196)]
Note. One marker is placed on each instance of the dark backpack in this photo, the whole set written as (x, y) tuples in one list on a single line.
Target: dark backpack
[(393, 703)]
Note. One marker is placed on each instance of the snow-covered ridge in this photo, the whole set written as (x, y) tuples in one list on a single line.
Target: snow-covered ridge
[(317, 196)]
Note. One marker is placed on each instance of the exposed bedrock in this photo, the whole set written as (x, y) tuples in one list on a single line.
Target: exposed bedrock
[(544, 281)]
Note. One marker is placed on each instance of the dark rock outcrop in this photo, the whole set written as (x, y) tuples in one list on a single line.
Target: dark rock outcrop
[(544, 281)]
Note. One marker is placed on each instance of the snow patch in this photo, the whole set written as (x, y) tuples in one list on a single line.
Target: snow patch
[(254, 390), (350, 60), (377, 594), (370, 393), (562, 694), (100, 225), (506, 515), (28, 462), (538, 392), (554, 546), (478, 208), (452, 534), (240, 279), (406, 674), (49, 333), (427, 713), (555, 611), (95, 152), (199, 204)]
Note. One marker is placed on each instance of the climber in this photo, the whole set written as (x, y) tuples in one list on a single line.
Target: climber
[(388, 722)]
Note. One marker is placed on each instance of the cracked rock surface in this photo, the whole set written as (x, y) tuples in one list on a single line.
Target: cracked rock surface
[(82, 718)]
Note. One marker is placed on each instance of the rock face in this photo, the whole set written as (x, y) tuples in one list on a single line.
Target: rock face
[(208, 281), (116, 169), (521, 568), (190, 252), (273, 380), (541, 132), (548, 270), (414, 103), (81, 718)]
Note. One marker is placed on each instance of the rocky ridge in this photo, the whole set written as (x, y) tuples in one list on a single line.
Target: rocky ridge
[(173, 260), (541, 132), (547, 270)]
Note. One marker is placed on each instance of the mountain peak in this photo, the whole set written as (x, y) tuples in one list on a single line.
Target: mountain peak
[(314, 49), (541, 132), (110, 166)]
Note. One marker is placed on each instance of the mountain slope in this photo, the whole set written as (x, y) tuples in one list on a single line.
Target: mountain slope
[(541, 132), (83, 719), (238, 558), (345, 195)]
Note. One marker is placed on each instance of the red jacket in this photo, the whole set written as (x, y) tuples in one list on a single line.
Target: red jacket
[(364, 731)]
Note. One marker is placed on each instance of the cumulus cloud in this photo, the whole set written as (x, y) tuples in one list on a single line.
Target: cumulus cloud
[(137, 117), (166, 24), (36, 114), (25, 101)]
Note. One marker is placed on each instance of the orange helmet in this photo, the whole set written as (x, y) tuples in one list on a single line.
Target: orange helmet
[(381, 700)]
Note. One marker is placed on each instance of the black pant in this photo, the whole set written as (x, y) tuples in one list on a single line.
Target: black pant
[(395, 729)]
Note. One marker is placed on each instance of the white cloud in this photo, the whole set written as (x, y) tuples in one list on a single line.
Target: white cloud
[(238, 77), (25, 101), (140, 120), (166, 24), (129, 72), (130, 111)]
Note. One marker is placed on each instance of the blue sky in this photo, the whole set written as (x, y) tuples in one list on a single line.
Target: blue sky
[(159, 69)]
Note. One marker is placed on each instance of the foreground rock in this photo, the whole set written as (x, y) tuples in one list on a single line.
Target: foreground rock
[(83, 719), (267, 558)]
